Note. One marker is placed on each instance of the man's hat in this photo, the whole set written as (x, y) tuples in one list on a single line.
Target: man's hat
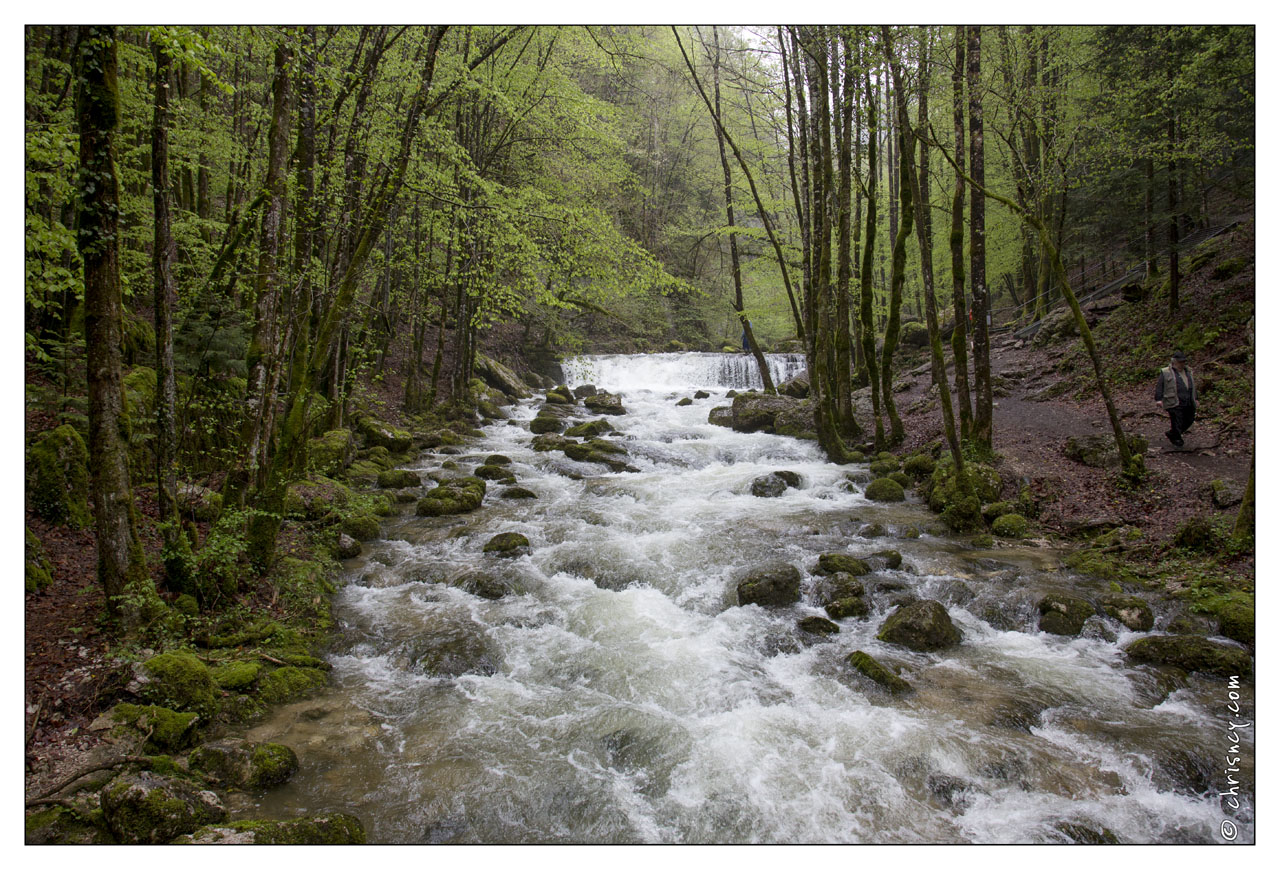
[(1179, 355)]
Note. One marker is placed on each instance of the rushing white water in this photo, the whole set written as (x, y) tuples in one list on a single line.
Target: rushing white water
[(622, 696)]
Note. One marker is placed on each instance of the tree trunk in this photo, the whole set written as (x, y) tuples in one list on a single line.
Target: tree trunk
[(959, 335), (978, 249), (162, 255), (736, 268), (1174, 276), (122, 569), (897, 272), (844, 255), (868, 254)]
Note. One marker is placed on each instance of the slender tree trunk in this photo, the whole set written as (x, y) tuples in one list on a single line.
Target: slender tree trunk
[(1175, 279), (843, 357), (263, 341), (736, 268), (122, 568), (899, 260), (918, 188), (868, 254), (165, 297), (959, 335), (978, 249)]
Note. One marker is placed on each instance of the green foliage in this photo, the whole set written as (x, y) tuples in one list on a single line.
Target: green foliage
[(58, 477)]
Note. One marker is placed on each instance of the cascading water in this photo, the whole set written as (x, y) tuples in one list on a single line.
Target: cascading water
[(618, 694)]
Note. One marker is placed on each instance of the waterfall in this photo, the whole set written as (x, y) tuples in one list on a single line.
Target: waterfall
[(679, 371)]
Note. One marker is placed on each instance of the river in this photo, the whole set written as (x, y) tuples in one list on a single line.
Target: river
[(623, 697)]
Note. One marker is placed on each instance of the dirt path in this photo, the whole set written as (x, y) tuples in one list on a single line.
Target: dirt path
[(1030, 432)]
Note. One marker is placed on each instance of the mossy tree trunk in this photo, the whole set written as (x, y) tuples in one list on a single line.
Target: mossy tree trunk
[(844, 253), (162, 255), (868, 254), (960, 334), (1243, 529), (122, 568), (897, 273), (982, 423), (917, 189)]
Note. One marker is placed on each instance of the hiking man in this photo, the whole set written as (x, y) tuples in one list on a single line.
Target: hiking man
[(1176, 393)]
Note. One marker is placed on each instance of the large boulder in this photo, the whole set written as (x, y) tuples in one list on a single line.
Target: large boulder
[(178, 681), (604, 403), (498, 376), (1129, 610), (1099, 451), (508, 544), (796, 388), (924, 626), (774, 484), (758, 412), (239, 763), (1191, 653), (1064, 614), (796, 421), (58, 477), (722, 416), (773, 584), (331, 452), (545, 424), (913, 334), (150, 808), (337, 829), (315, 498), (378, 433), (884, 489), (459, 496), (841, 563)]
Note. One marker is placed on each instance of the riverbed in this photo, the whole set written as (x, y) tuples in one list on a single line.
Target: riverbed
[(619, 694)]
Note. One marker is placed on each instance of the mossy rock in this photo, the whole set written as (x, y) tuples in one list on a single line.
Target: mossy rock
[(840, 563), (287, 683), (362, 527), (1229, 268), (442, 438), (1010, 526), (336, 829), (901, 478), (1191, 653), (39, 573), (873, 530), (1105, 566), (1064, 614), (878, 673), (170, 730), (604, 403), (331, 452), (924, 626), (379, 456), (1129, 610), (63, 826), (857, 456), (236, 676), (831, 587), (881, 559), (150, 808), (844, 608), (997, 509), (517, 492), (774, 584), (398, 478), (58, 477), (919, 466), (549, 442), (363, 472), (884, 489), (1196, 534), (685, 402), (1235, 620), (1226, 493), (381, 434), (884, 467), (497, 459), (819, 626), (1099, 451), (315, 498), (545, 425), (590, 429), (453, 497), (497, 473), (484, 585), (983, 542), (508, 544), (237, 763), (200, 503), (561, 395), (179, 681)]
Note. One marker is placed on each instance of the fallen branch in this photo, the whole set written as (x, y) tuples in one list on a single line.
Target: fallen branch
[(43, 797)]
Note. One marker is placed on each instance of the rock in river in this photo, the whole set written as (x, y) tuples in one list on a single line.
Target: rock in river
[(924, 626), (770, 585)]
